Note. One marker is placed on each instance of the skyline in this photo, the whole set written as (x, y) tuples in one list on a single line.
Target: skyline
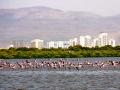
[(101, 39), (100, 7), (60, 22)]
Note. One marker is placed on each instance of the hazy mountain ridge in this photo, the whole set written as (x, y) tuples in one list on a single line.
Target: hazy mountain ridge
[(53, 24)]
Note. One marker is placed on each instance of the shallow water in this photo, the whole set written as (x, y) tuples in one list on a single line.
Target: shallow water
[(61, 80)]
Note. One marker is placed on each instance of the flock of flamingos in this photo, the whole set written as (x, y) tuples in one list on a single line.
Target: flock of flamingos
[(56, 65)]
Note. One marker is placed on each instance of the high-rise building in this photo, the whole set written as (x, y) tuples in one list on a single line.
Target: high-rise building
[(95, 42), (112, 42), (82, 41), (86, 41), (73, 42), (37, 43), (103, 39)]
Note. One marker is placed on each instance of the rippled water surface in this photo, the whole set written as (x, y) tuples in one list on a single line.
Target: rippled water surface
[(60, 80)]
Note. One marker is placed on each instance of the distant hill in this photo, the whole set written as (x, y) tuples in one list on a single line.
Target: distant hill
[(53, 24)]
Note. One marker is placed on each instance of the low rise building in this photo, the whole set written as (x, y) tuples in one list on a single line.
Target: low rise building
[(73, 42), (19, 44), (58, 44)]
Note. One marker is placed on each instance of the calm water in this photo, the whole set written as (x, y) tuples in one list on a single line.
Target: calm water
[(61, 80)]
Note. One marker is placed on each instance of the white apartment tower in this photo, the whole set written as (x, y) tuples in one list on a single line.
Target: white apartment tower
[(103, 39), (82, 41), (95, 42), (112, 42), (37, 43), (85, 41)]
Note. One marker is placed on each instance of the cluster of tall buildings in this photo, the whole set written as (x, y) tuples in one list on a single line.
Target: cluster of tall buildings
[(101, 40), (85, 41)]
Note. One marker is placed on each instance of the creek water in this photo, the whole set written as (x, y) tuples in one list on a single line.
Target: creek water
[(62, 80)]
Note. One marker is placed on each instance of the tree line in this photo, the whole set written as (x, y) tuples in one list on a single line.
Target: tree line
[(71, 52)]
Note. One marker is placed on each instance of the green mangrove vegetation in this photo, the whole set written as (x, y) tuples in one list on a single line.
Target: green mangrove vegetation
[(72, 52)]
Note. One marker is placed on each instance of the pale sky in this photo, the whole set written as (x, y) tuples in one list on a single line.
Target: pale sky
[(100, 7)]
